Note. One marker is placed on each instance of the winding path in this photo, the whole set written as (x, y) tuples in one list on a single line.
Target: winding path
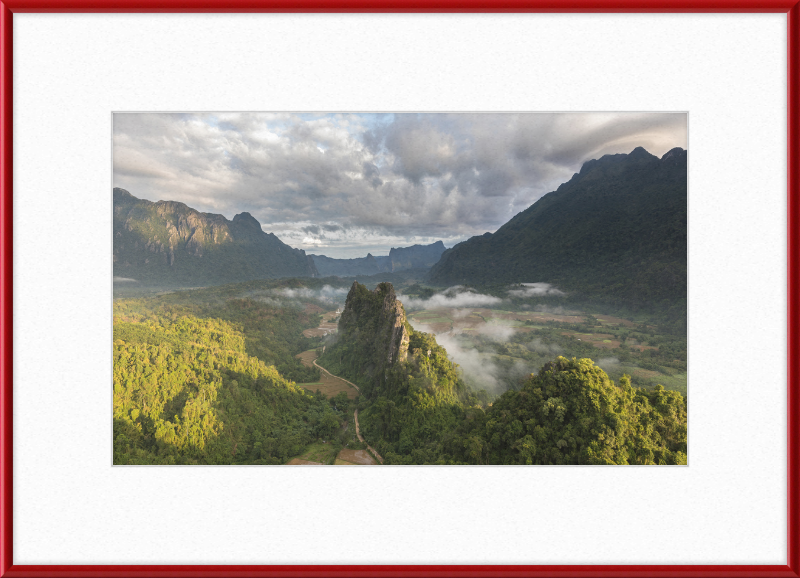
[(318, 366), (361, 439), (355, 413)]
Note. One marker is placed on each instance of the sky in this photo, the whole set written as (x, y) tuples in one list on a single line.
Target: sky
[(343, 185)]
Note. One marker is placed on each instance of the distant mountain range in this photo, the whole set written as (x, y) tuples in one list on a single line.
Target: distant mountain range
[(399, 259), (615, 231), (170, 243)]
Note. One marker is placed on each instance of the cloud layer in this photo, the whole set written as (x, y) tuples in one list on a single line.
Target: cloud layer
[(345, 184), (534, 290), (452, 297)]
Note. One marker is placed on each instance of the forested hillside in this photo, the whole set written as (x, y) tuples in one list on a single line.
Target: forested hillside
[(208, 376), (416, 408), (614, 234), (572, 413)]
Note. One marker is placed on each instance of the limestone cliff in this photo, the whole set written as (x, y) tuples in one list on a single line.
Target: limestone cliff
[(378, 317), (373, 337), (170, 243)]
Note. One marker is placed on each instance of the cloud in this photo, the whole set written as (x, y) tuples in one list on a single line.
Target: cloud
[(540, 346), (477, 369), (499, 333), (534, 290), (371, 180), (608, 363), (454, 297), (328, 294)]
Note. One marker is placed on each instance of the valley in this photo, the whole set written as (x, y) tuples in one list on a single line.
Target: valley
[(513, 344), (560, 338)]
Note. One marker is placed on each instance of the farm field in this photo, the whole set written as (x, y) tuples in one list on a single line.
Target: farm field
[(328, 384), (510, 345), (316, 454), (326, 452), (327, 327), (354, 458)]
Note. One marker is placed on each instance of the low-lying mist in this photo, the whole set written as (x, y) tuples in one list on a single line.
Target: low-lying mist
[(460, 296), (477, 361), (534, 290), (452, 298), (482, 350), (327, 296)]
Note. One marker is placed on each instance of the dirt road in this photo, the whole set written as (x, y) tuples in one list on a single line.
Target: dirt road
[(328, 384), (318, 366), (361, 439)]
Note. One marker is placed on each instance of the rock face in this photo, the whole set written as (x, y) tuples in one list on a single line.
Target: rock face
[(374, 325), (395, 316), (170, 243)]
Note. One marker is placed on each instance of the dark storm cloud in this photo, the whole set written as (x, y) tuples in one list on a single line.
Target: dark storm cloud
[(371, 180), (372, 175)]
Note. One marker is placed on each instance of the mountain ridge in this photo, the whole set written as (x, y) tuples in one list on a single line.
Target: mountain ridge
[(616, 230), (399, 259), (168, 242)]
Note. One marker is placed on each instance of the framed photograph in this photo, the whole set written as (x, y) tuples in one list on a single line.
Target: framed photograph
[(493, 250)]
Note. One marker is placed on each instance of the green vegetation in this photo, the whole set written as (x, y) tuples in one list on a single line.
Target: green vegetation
[(572, 413), (202, 378), (644, 352), (416, 409), (212, 375)]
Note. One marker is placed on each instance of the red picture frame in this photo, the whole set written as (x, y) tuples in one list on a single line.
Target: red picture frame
[(789, 7)]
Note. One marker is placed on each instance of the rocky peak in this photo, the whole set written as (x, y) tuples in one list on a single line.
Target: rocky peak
[(183, 237), (247, 220), (640, 153), (637, 154), (674, 155), (378, 318)]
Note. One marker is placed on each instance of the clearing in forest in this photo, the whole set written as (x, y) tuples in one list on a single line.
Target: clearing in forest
[(315, 454), (327, 384), (354, 458), (327, 326)]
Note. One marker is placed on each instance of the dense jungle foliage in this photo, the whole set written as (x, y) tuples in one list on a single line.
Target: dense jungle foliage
[(418, 410), (209, 377), (208, 380)]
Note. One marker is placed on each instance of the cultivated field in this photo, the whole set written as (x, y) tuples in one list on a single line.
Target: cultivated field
[(328, 384), (327, 326), (512, 344), (354, 458)]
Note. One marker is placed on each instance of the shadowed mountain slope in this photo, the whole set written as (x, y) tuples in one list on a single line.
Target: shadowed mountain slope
[(615, 231), (169, 243)]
